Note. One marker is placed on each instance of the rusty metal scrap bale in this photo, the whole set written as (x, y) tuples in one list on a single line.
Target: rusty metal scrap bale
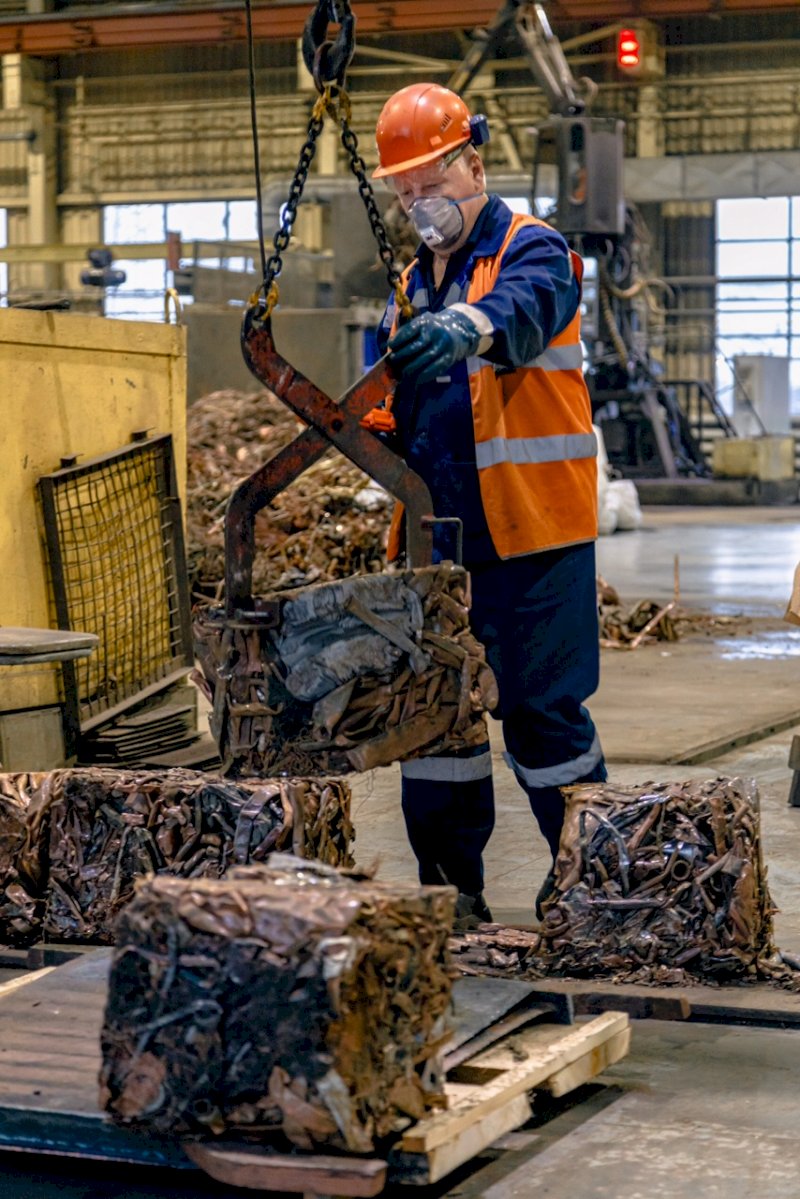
[(288, 1000), (659, 879), (357, 674), (20, 913), (90, 833)]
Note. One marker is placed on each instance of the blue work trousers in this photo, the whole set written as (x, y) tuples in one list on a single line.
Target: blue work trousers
[(537, 617)]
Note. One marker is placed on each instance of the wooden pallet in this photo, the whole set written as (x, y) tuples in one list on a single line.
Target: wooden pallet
[(488, 1096), (49, 1061)]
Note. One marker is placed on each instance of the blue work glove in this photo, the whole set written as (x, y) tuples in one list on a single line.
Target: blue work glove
[(428, 345)]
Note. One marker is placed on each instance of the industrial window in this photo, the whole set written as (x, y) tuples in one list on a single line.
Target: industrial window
[(141, 296), (758, 287)]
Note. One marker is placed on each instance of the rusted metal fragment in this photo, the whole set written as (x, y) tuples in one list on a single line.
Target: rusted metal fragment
[(288, 1000)]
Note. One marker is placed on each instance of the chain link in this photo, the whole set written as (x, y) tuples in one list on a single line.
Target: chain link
[(283, 236), (365, 190), (335, 103)]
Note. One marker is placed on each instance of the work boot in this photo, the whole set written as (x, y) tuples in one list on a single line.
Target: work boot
[(471, 910), (546, 895)]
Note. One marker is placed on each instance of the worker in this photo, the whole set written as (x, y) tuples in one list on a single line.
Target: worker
[(493, 413)]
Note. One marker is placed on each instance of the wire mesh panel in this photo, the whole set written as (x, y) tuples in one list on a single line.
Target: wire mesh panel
[(116, 556)]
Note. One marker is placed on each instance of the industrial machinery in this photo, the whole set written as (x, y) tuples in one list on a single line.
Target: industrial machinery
[(644, 418)]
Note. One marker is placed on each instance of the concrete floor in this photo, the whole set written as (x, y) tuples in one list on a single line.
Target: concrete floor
[(695, 1110)]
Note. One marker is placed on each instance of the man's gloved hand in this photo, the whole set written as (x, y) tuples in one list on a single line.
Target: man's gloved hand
[(429, 344)]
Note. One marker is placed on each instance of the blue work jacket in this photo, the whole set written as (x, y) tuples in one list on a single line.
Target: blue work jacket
[(535, 297)]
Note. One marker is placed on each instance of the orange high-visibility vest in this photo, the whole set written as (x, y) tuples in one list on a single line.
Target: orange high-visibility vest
[(535, 449)]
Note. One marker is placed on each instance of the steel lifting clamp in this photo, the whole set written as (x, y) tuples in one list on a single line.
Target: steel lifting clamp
[(331, 423), (349, 424)]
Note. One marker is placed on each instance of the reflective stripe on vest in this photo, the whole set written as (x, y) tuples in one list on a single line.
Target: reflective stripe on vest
[(521, 450), (535, 449), (559, 358)]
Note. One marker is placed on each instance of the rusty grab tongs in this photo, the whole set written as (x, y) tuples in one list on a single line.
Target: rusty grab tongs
[(330, 423)]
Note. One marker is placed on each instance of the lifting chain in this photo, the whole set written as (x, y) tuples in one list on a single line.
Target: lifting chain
[(327, 61)]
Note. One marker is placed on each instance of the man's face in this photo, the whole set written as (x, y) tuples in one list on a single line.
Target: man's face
[(461, 179)]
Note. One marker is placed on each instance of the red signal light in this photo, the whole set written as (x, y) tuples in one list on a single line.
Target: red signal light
[(629, 50)]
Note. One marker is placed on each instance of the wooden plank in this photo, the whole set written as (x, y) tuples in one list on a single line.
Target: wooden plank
[(589, 1066), (523, 1063), (254, 1169), (50, 1037), (421, 1169)]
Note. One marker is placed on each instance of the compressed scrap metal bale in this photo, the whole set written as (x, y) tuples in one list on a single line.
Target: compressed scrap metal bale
[(288, 999), (90, 833), (20, 913), (356, 674), (655, 881)]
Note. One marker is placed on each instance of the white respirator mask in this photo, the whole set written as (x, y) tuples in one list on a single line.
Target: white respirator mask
[(438, 220)]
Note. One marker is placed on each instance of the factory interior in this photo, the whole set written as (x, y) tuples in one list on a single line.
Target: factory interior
[(225, 968)]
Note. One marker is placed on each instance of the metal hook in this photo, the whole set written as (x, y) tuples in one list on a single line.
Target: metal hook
[(327, 61)]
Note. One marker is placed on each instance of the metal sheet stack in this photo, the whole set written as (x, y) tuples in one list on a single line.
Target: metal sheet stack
[(287, 1000), (346, 676), (655, 881), (90, 833)]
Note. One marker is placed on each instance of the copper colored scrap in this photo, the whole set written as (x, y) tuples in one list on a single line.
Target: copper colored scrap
[(649, 621), (373, 690), (657, 884), (19, 921), (90, 834), (286, 1003), (627, 628), (668, 875), (330, 523)]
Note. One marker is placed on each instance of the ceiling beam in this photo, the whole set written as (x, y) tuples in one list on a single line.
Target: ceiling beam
[(629, 10), (165, 24), (115, 28)]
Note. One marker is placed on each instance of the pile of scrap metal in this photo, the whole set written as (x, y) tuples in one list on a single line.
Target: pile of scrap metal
[(18, 916), (657, 884), (622, 627), (74, 842), (347, 676), (331, 523), (649, 621), (287, 1000)]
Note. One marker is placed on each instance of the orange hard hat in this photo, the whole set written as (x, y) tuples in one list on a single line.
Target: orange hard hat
[(419, 124)]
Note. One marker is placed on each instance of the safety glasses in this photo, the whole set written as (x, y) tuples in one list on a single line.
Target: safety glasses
[(407, 184)]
